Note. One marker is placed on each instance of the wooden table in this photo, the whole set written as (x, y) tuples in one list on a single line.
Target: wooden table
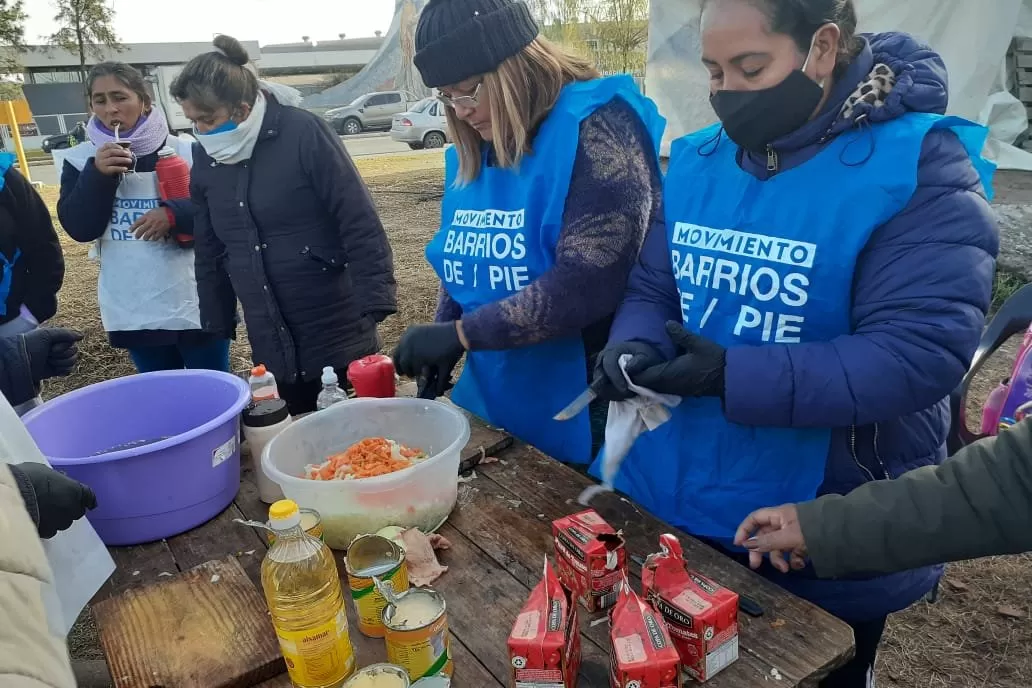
[(500, 532)]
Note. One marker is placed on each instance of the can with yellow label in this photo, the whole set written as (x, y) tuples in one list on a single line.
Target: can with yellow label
[(417, 634), (368, 556)]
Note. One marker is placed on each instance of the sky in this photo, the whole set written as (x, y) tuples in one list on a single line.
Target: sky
[(267, 21)]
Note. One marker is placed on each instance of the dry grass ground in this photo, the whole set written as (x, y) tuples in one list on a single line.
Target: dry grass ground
[(961, 641)]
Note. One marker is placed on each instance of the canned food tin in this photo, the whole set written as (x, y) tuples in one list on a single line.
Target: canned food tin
[(417, 633), (311, 521), (379, 676), (368, 556)]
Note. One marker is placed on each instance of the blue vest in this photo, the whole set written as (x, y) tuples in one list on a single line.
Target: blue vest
[(760, 263), (6, 263), (498, 234)]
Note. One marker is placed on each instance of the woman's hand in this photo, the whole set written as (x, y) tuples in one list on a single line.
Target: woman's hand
[(54, 500), (697, 371), (112, 160), (430, 352), (152, 226), (609, 378), (775, 531)]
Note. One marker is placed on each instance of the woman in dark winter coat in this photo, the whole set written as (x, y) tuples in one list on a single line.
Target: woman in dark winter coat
[(285, 224), (110, 195)]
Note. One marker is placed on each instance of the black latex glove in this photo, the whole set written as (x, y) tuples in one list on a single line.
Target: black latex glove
[(610, 383), (430, 353), (697, 371), (54, 501), (51, 351)]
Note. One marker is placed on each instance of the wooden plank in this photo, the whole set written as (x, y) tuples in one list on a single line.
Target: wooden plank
[(484, 601), (138, 565), (484, 441), (218, 538), (808, 645), (281, 681), (204, 628)]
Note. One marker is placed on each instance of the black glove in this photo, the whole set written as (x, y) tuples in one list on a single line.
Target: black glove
[(613, 384), (430, 353), (697, 371), (54, 501), (51, 352)]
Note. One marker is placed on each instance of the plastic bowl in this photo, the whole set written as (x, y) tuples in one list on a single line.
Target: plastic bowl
[(418, 497), (162, 488)]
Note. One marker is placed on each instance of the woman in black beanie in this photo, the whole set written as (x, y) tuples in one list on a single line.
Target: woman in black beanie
[(551, 186)]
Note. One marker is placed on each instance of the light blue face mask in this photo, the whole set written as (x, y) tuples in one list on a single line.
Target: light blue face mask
[(228, 125)]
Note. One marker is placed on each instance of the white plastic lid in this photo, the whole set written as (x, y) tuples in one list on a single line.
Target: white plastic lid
[(329, 376)]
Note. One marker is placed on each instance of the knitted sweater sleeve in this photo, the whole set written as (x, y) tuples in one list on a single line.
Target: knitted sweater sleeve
[(614, 191)]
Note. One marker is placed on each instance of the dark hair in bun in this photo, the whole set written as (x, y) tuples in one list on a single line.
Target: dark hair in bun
[(218, 79)]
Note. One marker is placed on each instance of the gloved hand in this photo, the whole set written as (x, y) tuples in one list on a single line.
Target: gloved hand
[(697, 371), (51, 352), (613, 385), (430, 353), (54, 500)]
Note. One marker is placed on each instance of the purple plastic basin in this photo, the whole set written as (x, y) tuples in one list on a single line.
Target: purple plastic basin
[(166, 486)]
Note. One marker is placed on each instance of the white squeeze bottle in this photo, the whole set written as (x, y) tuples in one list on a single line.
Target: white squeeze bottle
[(263, 384), (331, 392)]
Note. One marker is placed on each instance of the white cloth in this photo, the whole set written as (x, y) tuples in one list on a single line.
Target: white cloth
[(77, 557), (237, 145), (628, 419), (143, 285)]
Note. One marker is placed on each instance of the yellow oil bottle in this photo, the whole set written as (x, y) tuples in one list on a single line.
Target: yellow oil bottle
[(302, 587)]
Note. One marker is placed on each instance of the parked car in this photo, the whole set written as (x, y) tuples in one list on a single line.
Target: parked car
[(371, 111), (424, 126), (67, 140)]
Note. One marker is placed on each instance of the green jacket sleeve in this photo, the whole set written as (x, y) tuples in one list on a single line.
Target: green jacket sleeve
[(978, 503)]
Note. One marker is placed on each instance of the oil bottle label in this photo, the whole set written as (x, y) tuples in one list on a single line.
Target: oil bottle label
[(319, 655), (369, 603), (422, 652)]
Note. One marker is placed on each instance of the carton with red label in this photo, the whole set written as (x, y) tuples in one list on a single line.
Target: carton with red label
[(591, 558), (545, 645), (643, 655), (702, 616)]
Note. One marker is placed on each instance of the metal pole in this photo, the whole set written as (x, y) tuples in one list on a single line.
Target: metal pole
[(16, 135)]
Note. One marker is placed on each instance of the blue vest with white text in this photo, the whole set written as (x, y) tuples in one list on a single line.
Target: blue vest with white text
[(767, 263), (498, 234)]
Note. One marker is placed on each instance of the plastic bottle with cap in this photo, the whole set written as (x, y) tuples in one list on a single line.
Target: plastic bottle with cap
[(263, 420), (331, 391), (302, 588), (263, 384)]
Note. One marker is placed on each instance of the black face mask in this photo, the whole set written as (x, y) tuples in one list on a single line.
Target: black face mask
[(755, 119)]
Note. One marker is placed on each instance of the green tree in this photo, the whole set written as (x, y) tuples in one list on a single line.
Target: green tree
[(562, 21), (621, 31), (12, 42), (86, 30)]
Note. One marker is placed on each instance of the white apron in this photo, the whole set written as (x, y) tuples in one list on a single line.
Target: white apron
[(78, 559), (143, 285)]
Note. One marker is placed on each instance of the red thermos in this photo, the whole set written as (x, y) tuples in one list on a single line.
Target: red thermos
[(174, 184), (372, 376)]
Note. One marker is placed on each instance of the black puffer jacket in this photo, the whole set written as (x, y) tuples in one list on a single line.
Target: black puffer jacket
[(294, 235)]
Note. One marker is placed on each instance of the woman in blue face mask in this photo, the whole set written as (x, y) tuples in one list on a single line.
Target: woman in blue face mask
[(284, 223), (818, 290)]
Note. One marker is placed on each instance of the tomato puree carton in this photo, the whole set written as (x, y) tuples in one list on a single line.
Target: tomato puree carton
[(545, 645), (591, 558), (643, 655), (702, 616)]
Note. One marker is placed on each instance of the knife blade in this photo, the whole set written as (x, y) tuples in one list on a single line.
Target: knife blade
[(581, 402)]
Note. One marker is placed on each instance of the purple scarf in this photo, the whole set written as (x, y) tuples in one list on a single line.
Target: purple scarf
[(146, 137)]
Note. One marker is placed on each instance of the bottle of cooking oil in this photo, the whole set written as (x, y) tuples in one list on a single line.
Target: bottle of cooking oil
[(302, 587)]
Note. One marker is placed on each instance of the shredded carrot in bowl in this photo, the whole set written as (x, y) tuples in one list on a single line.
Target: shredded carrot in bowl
[(367, 458)]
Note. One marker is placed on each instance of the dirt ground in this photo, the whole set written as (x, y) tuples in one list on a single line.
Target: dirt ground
[(976, 635)]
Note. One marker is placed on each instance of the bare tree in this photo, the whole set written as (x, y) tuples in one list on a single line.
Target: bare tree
[(621, 31), (12, 43), (86, 30), (563, 21)]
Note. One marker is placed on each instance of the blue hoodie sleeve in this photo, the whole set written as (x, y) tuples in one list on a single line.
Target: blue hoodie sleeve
[(920, 294)]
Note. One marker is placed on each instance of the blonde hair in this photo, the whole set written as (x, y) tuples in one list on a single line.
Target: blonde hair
[(520, 93)]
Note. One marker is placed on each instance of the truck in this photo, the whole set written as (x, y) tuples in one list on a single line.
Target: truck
[(161, 80), (370, 111)]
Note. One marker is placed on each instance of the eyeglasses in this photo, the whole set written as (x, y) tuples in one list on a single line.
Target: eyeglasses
[(470, 101)]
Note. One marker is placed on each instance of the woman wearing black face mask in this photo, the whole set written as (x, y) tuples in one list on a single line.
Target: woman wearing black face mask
[(819, 288)]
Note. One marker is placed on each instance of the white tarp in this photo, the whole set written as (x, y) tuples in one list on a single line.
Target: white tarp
[(973, 38)]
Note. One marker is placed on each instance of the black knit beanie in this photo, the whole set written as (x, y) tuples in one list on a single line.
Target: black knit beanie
[(458, 39)]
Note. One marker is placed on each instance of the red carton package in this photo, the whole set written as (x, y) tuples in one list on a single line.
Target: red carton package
[(643, 656), (545, 645), (591, 558), (702, 616)]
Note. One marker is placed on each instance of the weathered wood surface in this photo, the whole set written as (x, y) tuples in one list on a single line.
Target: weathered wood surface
[(501, 532)]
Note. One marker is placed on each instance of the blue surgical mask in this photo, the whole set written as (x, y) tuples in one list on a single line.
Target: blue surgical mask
[(228, 125)]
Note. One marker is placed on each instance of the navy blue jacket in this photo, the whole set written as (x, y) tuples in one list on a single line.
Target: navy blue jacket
[(921, 289), (293, 234), (84, 209)]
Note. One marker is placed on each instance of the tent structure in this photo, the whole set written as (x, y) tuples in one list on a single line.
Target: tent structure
[(973, 38)]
